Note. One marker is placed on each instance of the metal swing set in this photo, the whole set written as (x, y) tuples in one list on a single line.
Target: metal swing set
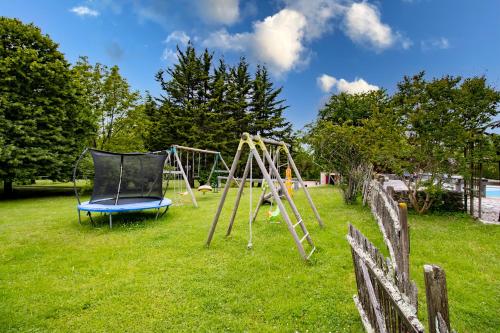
[(185, 164), (275, 184)]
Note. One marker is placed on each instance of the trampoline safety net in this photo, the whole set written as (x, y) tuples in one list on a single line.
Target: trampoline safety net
[(126, 178)]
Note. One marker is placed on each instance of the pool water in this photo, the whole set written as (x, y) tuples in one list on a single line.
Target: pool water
[(493, 191)]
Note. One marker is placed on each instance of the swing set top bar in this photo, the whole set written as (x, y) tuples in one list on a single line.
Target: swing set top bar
[(267, 141), (206, 151)]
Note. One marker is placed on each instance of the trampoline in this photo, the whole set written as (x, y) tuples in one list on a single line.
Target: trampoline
[(124, 182)]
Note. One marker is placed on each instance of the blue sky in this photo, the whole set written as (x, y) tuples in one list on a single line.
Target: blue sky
[(313, 48)]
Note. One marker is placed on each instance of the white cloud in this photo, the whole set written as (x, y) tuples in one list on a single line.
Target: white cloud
[(358, 86), (169, 55), (281, 40), (326, 82), (219, 11), (278, 40), (225, 41), (363, 25), (178, 37), (84, 11), (318, 13), (440, 43)]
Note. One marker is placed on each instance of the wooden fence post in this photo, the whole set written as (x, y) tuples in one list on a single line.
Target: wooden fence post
[(437, 298), (404, 240), (390, 191)]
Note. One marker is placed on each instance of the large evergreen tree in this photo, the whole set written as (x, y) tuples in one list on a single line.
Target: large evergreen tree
[(43, 124), (237, 102), (209, 107), (184, 98), (266, 109)]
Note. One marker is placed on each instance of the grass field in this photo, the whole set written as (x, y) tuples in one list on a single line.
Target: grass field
[(147, 275)]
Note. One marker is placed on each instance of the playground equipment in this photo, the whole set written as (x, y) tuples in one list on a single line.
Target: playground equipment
[(124, 182), (254, 142), (185, 166)]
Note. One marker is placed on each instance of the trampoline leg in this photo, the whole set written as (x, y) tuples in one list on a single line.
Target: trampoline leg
[(110, 221), (79, 218), (90, 217), (157, 213)]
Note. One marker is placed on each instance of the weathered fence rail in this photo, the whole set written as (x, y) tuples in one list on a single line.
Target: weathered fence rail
[(387, 297), (381, 304), (392, 218)]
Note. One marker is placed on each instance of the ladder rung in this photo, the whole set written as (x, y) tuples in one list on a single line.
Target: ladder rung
[(296, 224), (310, 253), (305, 236)]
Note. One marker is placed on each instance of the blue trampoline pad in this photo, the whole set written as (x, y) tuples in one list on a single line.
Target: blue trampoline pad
[(124, 207)]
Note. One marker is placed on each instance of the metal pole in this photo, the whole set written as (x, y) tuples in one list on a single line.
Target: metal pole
[(224, 194), (238, 197), (213, 168), (196, 149), (179, 163), (308, 196), (271, 141), (119, 181)]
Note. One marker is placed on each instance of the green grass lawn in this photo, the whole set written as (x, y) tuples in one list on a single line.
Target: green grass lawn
[(147, 275)]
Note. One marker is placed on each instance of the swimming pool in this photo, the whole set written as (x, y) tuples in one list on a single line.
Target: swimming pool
[(492, 191)]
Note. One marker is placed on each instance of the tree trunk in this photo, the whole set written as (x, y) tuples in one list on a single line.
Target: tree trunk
[(7, 188)]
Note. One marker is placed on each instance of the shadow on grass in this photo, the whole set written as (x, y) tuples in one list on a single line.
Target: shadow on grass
[(26, 192), (122, 221)]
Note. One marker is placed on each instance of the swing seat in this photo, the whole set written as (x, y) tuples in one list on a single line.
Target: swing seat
[(205, 188), (273, 215)]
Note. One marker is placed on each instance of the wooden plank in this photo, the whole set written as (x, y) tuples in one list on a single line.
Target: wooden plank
[(436, 295), (373, 298), (364, 317), (401, 307)]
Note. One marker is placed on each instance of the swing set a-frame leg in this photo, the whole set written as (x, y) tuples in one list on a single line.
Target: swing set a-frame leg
[(238, 197), (186, 181), (224, 195)]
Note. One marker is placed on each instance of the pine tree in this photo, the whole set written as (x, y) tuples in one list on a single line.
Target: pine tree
[(237, 102), (266, 109), (218, 116), (185, 97)]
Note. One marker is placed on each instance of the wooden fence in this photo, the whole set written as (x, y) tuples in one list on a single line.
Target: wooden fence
[(381, 304), (387, 298), (392, 218)]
